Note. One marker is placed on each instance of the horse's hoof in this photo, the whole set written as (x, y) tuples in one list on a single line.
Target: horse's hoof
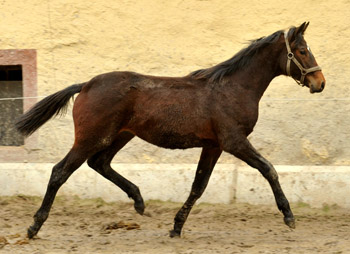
[(290, 222), (173, 233), (31, 232), (139, 207)]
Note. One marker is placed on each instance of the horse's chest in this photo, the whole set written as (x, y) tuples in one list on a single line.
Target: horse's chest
[(242, 116), (249, 122)]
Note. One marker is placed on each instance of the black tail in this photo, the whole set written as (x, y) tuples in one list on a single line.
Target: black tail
[(45, 109)]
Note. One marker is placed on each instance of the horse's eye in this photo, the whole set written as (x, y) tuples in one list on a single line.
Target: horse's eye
[(303, 52)]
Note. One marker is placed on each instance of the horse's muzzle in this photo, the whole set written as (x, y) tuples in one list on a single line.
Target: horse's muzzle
[(317, 88), (315, 82)]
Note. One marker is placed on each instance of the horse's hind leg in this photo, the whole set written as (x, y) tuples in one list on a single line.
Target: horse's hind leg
[(101, 163), (208, 159), (60, 173)]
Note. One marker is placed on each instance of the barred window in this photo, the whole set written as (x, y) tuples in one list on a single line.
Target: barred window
[(18, 77), (11, 86)]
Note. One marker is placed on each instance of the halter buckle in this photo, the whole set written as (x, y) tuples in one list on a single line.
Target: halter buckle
[(290, 55)]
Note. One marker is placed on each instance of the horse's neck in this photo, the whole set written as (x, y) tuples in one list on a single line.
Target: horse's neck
[(256, 77)]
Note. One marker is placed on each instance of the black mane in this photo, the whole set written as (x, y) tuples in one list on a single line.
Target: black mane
[(237, 62)]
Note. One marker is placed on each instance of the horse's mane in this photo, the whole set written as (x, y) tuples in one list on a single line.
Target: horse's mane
[(241, 59)]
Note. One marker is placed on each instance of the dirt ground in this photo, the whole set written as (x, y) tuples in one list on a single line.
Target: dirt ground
[(94, 226)]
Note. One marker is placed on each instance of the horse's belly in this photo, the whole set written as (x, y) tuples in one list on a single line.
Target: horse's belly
[(177, 141), (173, 139)]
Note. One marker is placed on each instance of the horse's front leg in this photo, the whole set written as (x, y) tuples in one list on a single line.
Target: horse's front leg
[(242, 149), (208, 159)]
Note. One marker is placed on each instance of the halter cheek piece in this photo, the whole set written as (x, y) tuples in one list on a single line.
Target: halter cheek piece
[(291, 57)]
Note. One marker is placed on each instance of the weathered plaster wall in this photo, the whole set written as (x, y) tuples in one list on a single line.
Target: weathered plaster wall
[(76, 40)]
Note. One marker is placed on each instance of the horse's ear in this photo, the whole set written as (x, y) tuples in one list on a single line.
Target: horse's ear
[(300, 30), (306, 24)]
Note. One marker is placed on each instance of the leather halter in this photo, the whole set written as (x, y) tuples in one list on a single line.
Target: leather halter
[(291, 57)]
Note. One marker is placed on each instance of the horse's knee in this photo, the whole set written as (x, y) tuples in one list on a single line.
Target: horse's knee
[(271, 174), (267, 169)]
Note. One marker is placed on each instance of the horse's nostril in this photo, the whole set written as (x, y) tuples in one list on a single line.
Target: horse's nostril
[(322, 85)]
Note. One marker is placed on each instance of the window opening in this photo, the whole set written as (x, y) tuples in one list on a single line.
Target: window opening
[(11, 86)]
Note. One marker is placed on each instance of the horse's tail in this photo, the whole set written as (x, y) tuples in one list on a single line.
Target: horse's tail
[(45, 109)]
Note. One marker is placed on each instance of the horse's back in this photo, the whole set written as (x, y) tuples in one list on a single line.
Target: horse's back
[(168, 112)]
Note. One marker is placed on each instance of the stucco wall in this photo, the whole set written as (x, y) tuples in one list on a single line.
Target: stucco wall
[(76, 40)]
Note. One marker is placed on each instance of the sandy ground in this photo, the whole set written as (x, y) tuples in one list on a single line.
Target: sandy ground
[(94, 226)]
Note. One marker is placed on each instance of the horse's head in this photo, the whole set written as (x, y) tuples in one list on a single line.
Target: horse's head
[(301, 64)]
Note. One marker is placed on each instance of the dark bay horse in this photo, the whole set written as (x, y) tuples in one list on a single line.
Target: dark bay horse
[(214, 108)]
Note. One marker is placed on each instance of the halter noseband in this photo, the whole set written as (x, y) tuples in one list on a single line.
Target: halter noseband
[(291, 57)]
